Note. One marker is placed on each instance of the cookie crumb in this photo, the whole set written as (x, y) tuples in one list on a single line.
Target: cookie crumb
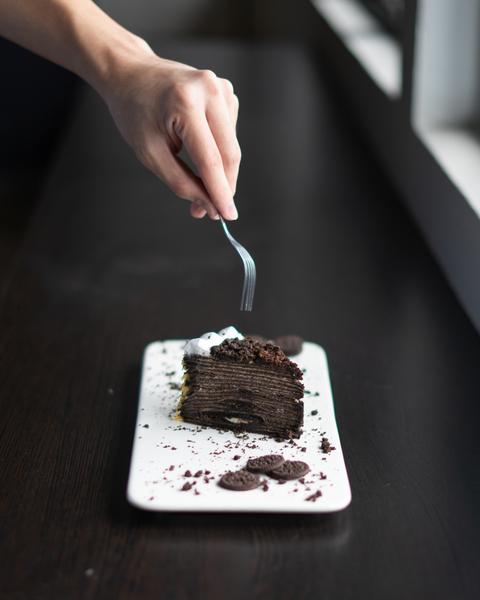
[(313, 497), (326, 446)]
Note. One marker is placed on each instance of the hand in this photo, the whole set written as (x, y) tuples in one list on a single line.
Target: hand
[(161, 106)]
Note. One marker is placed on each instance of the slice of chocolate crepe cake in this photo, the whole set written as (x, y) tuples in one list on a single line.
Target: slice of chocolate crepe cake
[(241, 384)]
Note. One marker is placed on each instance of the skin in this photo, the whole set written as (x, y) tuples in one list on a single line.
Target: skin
[(159, 106)]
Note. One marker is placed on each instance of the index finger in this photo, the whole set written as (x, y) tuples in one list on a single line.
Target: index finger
[(200, 144)]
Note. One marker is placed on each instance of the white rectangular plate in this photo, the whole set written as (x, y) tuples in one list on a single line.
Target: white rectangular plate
[(164, 448)]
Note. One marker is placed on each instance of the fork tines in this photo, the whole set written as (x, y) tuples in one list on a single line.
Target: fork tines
[(250, 270)]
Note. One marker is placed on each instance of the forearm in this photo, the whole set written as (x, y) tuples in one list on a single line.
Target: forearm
[(75, 34)]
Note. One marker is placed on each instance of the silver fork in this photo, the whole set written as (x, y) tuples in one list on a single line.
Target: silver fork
[(250, 270)]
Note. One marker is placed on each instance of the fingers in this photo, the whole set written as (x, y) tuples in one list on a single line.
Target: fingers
[(234, 109), (197, 111), (221, 119), (197, 211), (201, 145), (231, 100), (159, 158)]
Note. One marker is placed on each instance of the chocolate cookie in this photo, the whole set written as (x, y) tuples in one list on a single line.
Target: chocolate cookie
[(264, 464), (290, 344), (290, 469), (239, 481)]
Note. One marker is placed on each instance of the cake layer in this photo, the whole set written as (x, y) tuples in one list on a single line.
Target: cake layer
[(209, 374), (242, 396)]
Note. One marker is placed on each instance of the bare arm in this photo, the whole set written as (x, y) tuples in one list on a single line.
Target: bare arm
[(158, 105)]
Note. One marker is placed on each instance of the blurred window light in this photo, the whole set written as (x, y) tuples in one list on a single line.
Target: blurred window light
[(368, 39), (445, 72), (390, 13), (428, 140), (446, 89)]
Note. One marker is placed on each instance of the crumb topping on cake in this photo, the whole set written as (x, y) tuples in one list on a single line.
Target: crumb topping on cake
[(252, 351)]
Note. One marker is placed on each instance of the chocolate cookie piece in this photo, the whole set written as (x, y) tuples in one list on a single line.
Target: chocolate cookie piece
[(264, 464), (239, 481), (326, 446), (290, 344), (290, 469)]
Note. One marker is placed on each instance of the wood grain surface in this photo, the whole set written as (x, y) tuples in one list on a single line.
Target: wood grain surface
[(111, 261)]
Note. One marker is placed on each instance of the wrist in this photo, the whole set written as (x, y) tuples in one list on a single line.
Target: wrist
[(111, 62)]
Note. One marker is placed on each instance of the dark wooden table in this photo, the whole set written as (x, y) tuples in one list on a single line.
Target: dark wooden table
[(112, 261)]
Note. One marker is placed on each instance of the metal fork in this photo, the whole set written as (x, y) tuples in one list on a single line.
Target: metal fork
[(250, 270)]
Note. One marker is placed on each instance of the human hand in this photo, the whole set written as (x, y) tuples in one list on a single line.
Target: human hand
[(161, 106)]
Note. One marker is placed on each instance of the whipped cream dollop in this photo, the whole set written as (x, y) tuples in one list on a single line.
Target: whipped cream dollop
[(202, 345)]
